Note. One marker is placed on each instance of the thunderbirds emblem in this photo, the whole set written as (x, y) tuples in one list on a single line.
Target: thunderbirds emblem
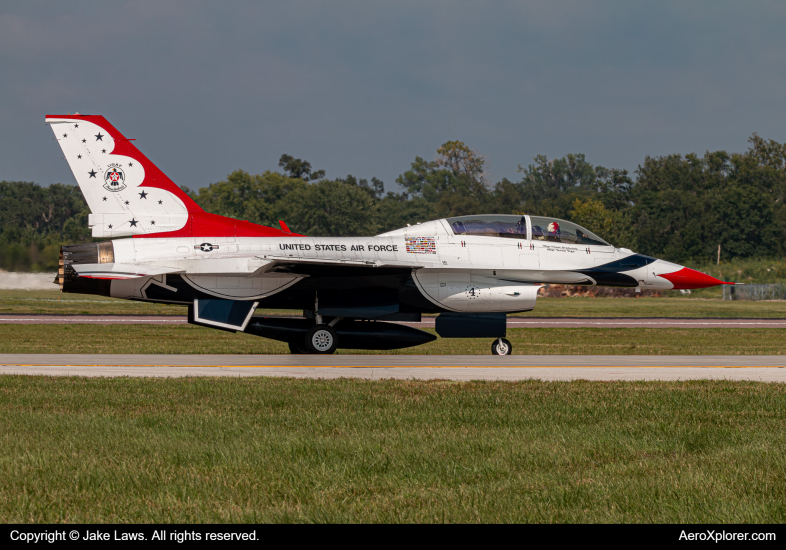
[(114, 178)]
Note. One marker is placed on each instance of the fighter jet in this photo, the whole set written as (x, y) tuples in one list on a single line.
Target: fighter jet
[(355, 292)]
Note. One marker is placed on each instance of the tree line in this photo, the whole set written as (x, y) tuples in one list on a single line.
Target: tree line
[(676, 207)]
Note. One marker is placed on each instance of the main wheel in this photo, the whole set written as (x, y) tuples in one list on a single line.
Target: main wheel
[(501, 346), (298, 347), (321, 339)]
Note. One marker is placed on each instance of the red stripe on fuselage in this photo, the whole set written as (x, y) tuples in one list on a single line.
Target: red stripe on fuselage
[(204, 224)]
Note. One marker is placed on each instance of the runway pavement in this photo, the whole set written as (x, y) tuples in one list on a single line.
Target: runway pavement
[(513, 322), (765, 368)]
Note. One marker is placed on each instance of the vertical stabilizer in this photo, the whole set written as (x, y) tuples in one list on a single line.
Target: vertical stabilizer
[(127, 194)]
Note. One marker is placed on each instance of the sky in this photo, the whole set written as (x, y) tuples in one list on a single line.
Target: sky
[(363, 87)]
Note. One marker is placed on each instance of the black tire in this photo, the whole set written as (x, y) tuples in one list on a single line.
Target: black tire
[(322, 340), (501, 346), (298, 347)]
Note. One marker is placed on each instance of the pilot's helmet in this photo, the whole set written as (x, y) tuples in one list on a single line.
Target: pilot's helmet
[(553, 227)]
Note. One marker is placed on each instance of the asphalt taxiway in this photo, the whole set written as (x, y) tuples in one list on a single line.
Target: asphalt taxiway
[(764, 368)]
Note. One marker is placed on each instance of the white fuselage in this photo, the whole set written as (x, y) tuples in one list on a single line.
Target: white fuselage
[(455, 272)]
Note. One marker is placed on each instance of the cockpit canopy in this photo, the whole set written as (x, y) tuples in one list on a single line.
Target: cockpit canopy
[(515, 227), (552, 229), (511, 227)]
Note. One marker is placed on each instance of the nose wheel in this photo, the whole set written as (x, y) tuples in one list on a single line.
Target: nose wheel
[(501, 346)]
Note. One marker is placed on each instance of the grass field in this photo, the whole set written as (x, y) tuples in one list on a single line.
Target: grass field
[(654, 307), (54, 302), (526, 341), (283, 450)]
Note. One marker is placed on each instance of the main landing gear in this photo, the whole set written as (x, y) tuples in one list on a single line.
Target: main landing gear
[(501, 346), (320, 339)]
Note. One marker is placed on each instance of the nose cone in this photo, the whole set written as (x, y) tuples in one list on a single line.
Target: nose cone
[(687, 278)]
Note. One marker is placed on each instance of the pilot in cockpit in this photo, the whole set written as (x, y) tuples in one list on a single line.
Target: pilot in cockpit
[(553, 232), (517, 232), (521, 227)]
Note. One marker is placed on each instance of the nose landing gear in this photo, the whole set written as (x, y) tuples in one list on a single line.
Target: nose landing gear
[(501, 346)]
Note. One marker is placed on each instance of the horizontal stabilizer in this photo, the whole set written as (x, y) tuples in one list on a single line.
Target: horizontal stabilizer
[(121, 271)]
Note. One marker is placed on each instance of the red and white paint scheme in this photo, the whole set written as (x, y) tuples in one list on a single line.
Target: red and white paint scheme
[(472, 270)]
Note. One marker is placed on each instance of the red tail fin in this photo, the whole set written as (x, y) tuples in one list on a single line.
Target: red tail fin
[(129, 195)]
